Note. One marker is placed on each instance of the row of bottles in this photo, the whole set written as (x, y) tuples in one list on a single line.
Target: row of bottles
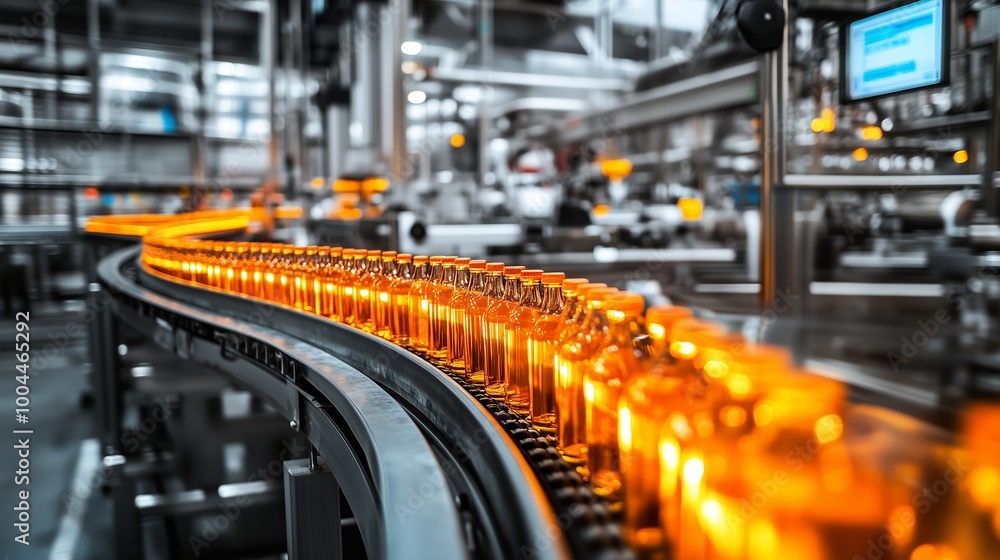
[(710, 446)]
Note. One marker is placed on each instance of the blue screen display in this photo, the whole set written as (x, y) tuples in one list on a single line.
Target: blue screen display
[(897, 50)]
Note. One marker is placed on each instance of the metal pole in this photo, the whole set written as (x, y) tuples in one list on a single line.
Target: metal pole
[(991, 200), (94, 44), (268, 46), (393, 137), (486, 61), (776, 224), (207, 98)]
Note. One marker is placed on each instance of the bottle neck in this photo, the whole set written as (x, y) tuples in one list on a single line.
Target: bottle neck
[(404, 270), (448, 276), (420, 272), (389, 269), (375, 267), (493, 285), (552, 300), (512, 290), (530, 294), (462, 278), (477, 282), (437, 273)]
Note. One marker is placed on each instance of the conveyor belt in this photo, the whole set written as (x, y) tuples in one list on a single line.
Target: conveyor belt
[(509, 493)]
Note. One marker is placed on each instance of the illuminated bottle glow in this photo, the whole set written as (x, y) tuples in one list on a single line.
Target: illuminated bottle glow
[(542, 349), (626, 353), (494, 330), (366, 294), (348, 284), (483, 290), (381, 295), (419, 304), (400, 299), (519, 324), (459, 301), (650, 398), (441, 288), (333, 282), (572, 360)]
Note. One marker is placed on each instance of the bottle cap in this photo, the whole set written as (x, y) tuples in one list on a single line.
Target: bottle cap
[(572, 285), (585, 289), (404, 257), (462, 261), (512, 271), (448, 261), (601, 295), (550, 278), (436, 259), (418, 260), (374, 255), (625, 305), (531, 275), (477, 265), (494, 267), (660, 319), (388, 255)]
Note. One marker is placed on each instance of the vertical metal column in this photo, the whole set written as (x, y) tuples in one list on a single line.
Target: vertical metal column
[(103, 367), (207, 85), (268, 55), (485, 31), (312, 512), (991, 198), (94, 47), (776, 204), (365, 90), (394, 16)]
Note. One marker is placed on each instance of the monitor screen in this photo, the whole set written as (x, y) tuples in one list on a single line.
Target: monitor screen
[(897, 50)]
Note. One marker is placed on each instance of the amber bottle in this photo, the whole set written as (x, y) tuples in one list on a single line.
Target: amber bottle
[(626, 354), (381, 294), (419, 304), (541, 349), (522, 320), (485, 289), (572, 358), (399, 291), (438, 296), (494, 330)]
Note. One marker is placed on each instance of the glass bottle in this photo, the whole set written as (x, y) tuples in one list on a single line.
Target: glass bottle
[(349, 283), (258, 255), (494, 330), (572, 359), (465, 270), (333, 281), (271, 252), (522, 320), (442, 284), (660, 319), (317, 279), (419, 305), (792, 477), (366, 294), (283, 290), (541, 350), (692, 428), (485, 289), (381, 295), (399, 290), (626, 353)]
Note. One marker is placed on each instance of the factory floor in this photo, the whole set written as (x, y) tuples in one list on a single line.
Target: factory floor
[(70, 518)]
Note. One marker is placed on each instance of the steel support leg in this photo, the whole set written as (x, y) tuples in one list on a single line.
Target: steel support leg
[(312, 511)]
